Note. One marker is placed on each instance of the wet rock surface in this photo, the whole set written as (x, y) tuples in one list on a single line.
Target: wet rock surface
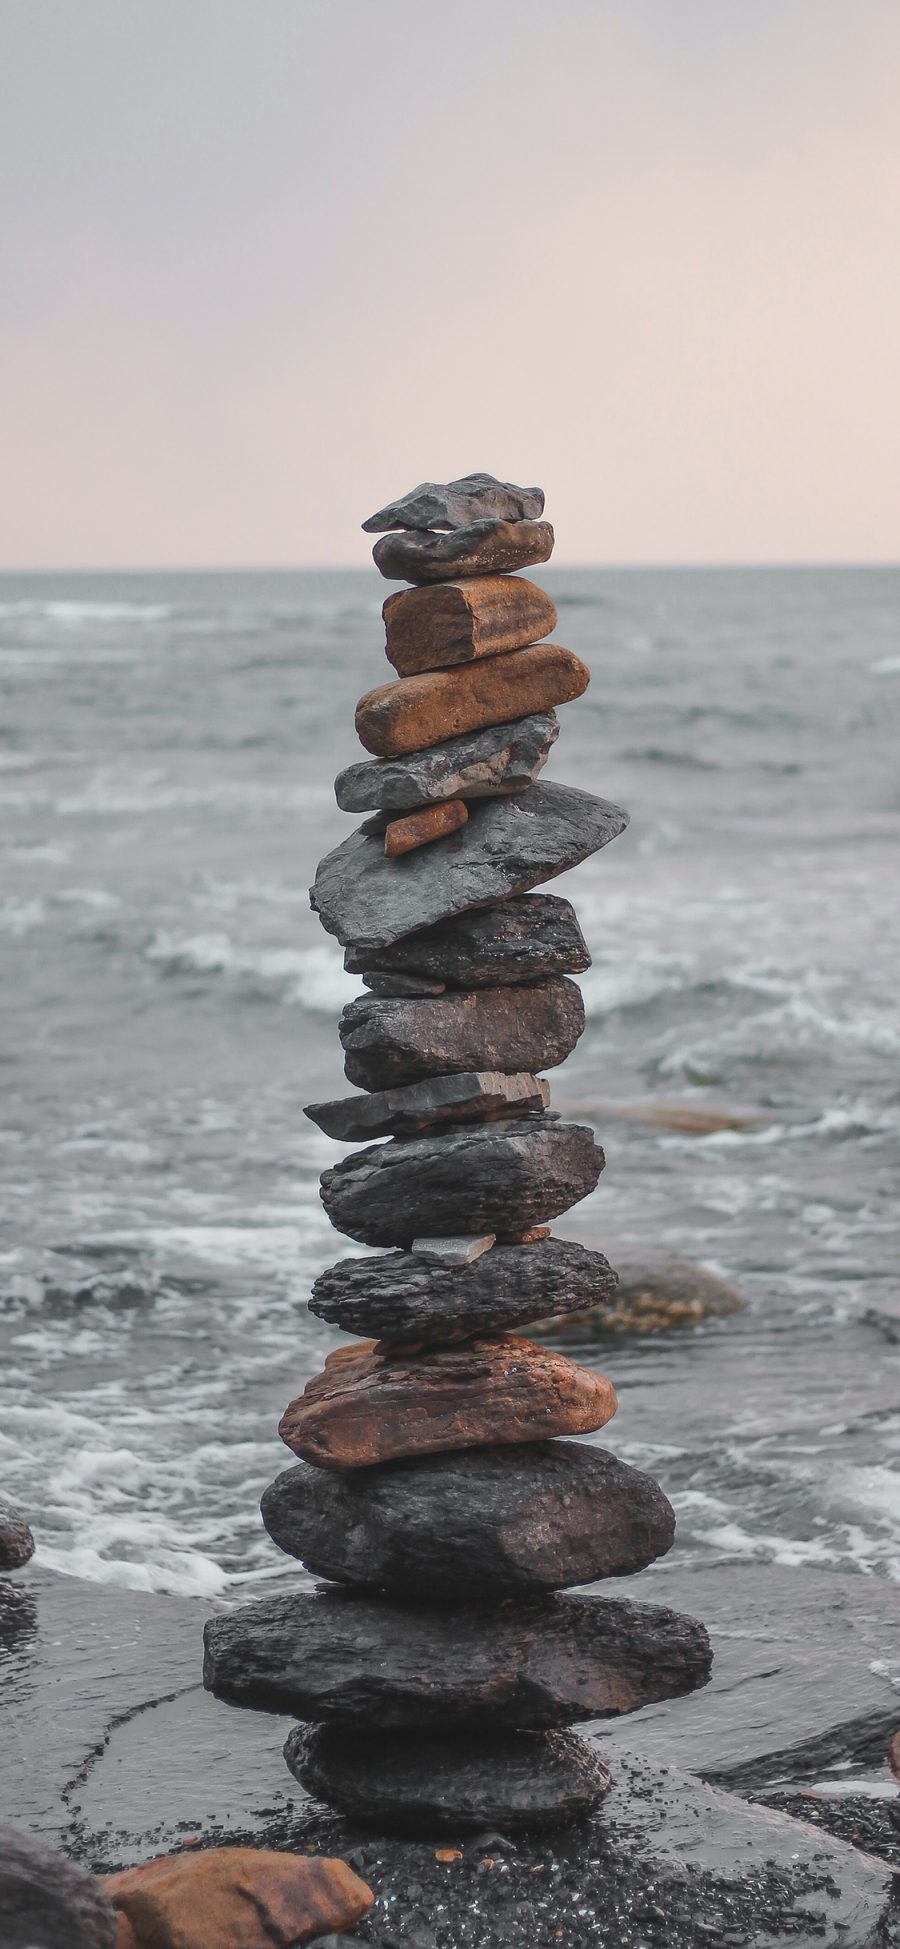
[(237, 1898), (539, 1662), (508, 846), (526, 938), (652, 1299), (481, 764), (455, 622), (390, 1042), (48, 1901), (492, 1521), (472, 1179), (439, 1100), (370, 1406), (419, 711), (457, 503), (16, 1540), (482, 548), (405, 1296)]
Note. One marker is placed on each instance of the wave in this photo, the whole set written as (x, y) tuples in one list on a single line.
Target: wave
[(74, 614), (312, 978)]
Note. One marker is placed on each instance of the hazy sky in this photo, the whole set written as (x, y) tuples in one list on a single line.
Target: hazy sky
[(267, 263)]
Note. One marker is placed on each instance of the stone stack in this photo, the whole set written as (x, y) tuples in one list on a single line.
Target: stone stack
[(443, 1662)]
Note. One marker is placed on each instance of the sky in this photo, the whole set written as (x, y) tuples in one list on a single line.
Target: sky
[(266, 264)]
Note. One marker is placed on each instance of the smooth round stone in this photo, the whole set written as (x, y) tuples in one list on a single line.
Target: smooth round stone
[(418, 711), (408, 1297), (484, 547), (436, 1783), (486, 1523), (539, 1662), (369, 1406), (390, 1042)]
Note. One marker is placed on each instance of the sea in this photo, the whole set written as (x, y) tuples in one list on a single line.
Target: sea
[(168, 744)]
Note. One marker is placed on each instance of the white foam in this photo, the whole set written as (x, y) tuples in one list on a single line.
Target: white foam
[(311, 978)]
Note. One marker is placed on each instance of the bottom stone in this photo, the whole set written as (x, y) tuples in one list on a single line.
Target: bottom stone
[(449, 1783)]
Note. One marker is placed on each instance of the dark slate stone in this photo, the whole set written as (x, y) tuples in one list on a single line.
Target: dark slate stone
[(390, 1041), (525, 938), (469, 1180), (539, 1662), (16, 1540), (46, 1902), (392, 985), (408, 1298), (484, 1095), (506, 846), (482, 548), (484, 1522), (440, 1783), (457, 503), (478, 765)]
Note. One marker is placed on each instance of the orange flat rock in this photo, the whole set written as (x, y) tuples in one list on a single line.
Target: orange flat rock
[(419, 828), (235, 1898), (417, 712)]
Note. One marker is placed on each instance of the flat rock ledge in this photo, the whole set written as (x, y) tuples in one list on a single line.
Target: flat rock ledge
[(490, 1522), (409, 1297), (478, 765), (483, 1095), (528, 937), (389, 1042)]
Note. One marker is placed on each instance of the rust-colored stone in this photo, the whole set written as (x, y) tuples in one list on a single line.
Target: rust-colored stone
[(369, 1407), (455, 622), (533, 1235), (125, 1936), (247, 1898), (417, 712), (419, 828)]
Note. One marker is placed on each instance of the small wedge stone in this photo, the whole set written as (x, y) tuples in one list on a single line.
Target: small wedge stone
[(419, 711), (483, 548), (393, 987), (452, 1251), (456, 622), (482, 1096), (457, 503), (420, 828), (479, 765)]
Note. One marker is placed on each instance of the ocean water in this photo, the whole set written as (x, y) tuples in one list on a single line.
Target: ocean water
[(167, 750)]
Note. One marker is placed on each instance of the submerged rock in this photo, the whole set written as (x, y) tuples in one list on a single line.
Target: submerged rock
[(484, 547), (405, 1297), (16, 1540), (455, 622), (525, 938), (484, 764), (457, 503), (650, 1299), (482, 1095), (46, 1900), (490, 1522), (241, 1897), (419, 711), (390, 1042)]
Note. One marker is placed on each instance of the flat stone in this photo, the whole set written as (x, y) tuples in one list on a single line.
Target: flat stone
[(392, 985), (479, 1095), (458, 1251), (484, 764), (525, 938), (389, 1042), (654, 1299), (422, 828), (490, 1522), (509, 845), (482, 1178), (16, 1540), (371, 1406), (457, 503), (455, 622), (537, 1662), (241, 1897), (403, 1297), (419, 711), (483, 548), (47, 1902)]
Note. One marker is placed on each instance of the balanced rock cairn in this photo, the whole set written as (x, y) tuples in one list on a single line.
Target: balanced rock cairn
[(442, 1662)]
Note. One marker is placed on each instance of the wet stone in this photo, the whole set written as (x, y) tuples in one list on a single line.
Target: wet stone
[(484, 1523), (536, 1662), (525, 938), (482, 548), (654, 1299), (457, 503), (419, 711), (16, 1540), (404, 1297), (422, 828), (455, 622), (459, 1251), (439, 1100), (483, 1178), (237, 1898), (393, 985), (47, 1901), (389, 1042), (500, 759), (371, 1406)]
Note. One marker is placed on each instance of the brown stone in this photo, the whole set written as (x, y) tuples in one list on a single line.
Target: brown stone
[(534, 1235), (392, 1041), (370, 1406), (247, 1898), (455, 622), (485, 547), (419, 828), (420, 711)]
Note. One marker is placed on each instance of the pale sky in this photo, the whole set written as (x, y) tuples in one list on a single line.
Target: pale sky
[(268, 263)]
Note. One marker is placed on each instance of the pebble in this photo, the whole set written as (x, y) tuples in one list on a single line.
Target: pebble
[(485, 547), (421, 828), (483, 764), (404, 1297), (485, 1095), (455, 622), (419, 711), (524, 938), (393, 1041)]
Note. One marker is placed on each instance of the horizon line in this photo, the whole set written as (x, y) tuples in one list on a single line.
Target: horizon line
[(361, 568)]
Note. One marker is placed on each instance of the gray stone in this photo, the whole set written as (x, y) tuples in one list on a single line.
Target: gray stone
[(390, 986), (537, 1663), (483, 548), (484, 1522), (484, 764), (482, 1095), (391, 1041), (507, 846), (46, 1902), (16, 1540), (457, 503), (402, 1298), (525, 938), (474, 1179)]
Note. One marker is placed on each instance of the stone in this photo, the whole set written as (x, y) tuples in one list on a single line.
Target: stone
[(370, 1406), (391, 985), (389, 1042), (419, 711), (47, 1902), (446, 1783), (477, 1095), (403, 1297), (525, 938), (453, 1251), (508, 845), (455, 622), (421, 828), (242, 1897), (16, 1540), (483, 548), (457, 503), (652, 1299), (478, 1178), (491, 1522), (538, 1662), (486, 764)]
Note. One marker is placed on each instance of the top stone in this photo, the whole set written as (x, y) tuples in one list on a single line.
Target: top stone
[(483, 548), (457, 503)]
